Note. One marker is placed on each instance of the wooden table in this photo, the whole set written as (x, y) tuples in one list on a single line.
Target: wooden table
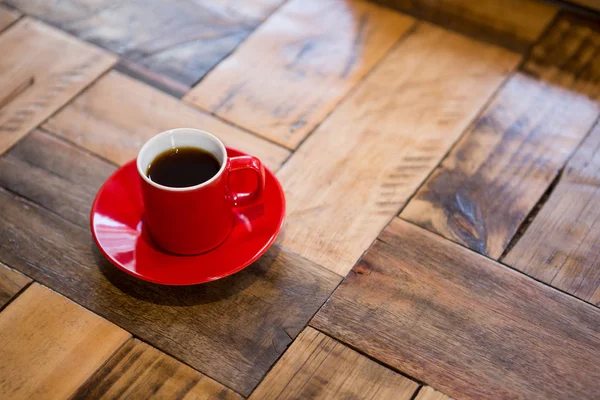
[(442, 174)]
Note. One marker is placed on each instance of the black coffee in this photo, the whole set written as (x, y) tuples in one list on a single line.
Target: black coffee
[(183, 167)]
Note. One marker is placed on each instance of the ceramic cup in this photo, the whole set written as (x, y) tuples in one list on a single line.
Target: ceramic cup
[(195, 219)]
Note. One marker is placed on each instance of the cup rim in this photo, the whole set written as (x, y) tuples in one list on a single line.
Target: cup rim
[(194, 131)]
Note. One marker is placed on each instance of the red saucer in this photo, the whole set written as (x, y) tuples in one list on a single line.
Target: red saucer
[(118, 229)]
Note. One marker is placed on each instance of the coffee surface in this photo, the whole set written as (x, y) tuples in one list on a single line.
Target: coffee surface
[(183, 167)]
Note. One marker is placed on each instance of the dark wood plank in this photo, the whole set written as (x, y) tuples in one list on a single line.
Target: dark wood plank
[(161, 82), (514, 24), (464, 324), (11, 283), (591, 4), (356, 171), (35, 87), (139, 371), (567, 55), (493, 178), (49, 346), (181, 39), (319, 367), (55, 174), (118, 114), (232, 330), (7, 17), (562, 244), (293, 71)]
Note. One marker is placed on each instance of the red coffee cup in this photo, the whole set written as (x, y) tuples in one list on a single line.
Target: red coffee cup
[(195, 219)]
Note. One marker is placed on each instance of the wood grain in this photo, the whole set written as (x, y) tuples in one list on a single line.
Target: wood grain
[(118, 114), (55, 174), (232, 330), (161, 82), (513, 24), (468, 326), (11, 283), (567, 56), (492, 179), (354, 173), (181, 39), (7, 17), (35, 87), (429, 393), (298, 65), (562, 244), (49, 346), (139, 371), (319, 367)]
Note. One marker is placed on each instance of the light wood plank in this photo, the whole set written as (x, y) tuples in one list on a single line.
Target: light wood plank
[(468, 326), (297, 66), (11, 283), (181, 39), (562, 244), (429, 393), (7, 17), (139, 371), (36, 86), (493, 178), (118, 114), (318, 367), (354, 173), (49, 346), (56, 174), (232, 330), (514, 24)]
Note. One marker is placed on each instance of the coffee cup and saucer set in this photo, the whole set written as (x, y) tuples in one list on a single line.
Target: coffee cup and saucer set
[(187, 211)]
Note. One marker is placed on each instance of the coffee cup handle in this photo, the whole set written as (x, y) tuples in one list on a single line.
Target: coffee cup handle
[(251, 163)]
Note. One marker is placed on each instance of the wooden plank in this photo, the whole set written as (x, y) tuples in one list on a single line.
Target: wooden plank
[(591, 4), (140, 371), (429, 393), (11, 283), (161, 82), (513, 24), (294, 70), (49, 345), (118, 114), (232, 330), (491, 180), (7, 17), (567, 55), (181, 39), (562, 244), (469, 326), (55, 174), (35, 87), (319, 367), (354, 173)]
